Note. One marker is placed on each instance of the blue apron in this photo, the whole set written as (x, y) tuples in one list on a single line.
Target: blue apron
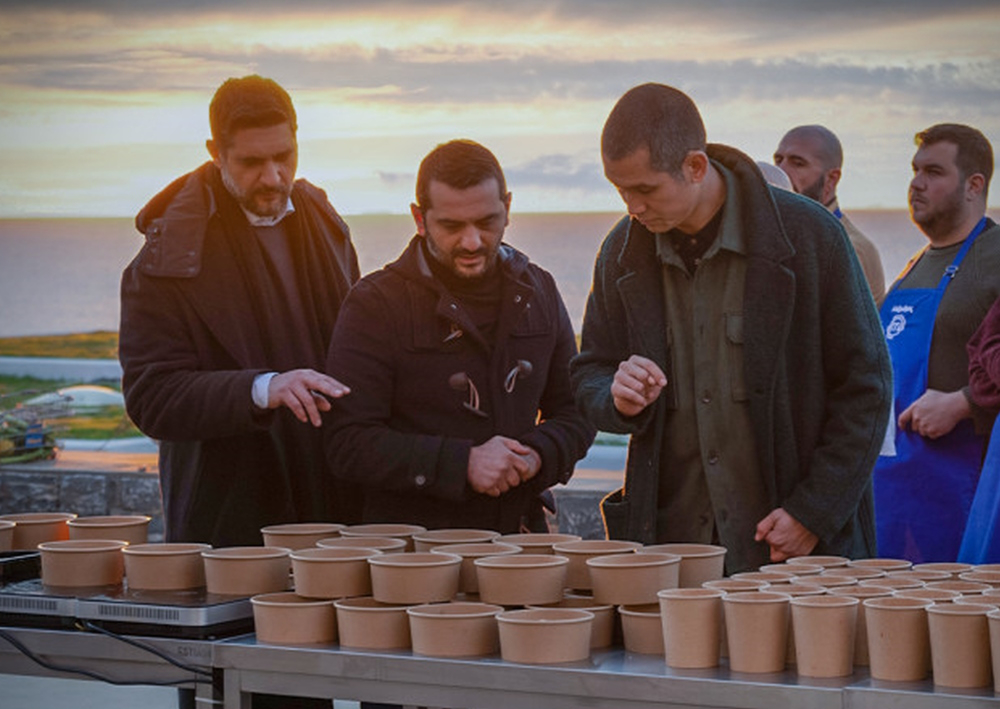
[(924, 492), (981, 541)]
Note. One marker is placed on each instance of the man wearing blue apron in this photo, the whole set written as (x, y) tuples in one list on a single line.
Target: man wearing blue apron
[(924, 488)]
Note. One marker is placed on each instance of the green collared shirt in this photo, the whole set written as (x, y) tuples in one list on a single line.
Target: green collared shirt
[(710, 487)]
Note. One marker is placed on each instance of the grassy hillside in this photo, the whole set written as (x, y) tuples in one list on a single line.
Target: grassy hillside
[(86, 345)]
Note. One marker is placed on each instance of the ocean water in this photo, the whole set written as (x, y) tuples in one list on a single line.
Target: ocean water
[(62, 275)]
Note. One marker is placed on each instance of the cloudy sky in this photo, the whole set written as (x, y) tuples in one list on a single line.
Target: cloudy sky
[(103, 102)]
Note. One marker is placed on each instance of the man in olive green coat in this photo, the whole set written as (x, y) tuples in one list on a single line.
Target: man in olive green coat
[(730, 331)]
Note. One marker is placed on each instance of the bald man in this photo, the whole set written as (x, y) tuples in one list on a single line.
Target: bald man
[(812, 158)]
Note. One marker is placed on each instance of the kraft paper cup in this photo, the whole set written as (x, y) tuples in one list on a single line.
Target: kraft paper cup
[(299, 535), (990, 578), (173, 566), (896, 583), (861, 573), (367, 624), (386, 545), (246, 571), (757, 628), (537, 542), (796, 588), (427, 541), (414, 577), (966, 588), (980, 599), (285, 618), (699, 562), (127, 528), (861, 627), (521, 579), (457, 629), (925, 575), (545, 635), (826, 561), (642, 628), (955, 568), (828, 581), (577, 573), (898, 638), (882, 564), (6, 535), (960, 645), (399, 531), (690, 623), (801, 569), (33, 528), (603, 627), (731, 585), (332, 572), (934, 595), (824, 628), (769, 577), (993, 617), (633, 579), (82, 562), (468, 580)]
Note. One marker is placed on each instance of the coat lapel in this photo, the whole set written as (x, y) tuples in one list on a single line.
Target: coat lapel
[(641, 291), (220, 298)]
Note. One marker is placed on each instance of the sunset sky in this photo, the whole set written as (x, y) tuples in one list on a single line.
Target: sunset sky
[(103, 103)]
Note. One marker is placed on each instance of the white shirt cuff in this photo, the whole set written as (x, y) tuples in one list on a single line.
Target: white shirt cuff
[(259, 390)]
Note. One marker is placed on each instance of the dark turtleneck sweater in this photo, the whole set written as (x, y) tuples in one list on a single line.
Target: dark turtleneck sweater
[(480, 297)]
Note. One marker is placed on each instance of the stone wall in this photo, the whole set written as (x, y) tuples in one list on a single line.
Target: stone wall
[(92, 484), (87, 493)]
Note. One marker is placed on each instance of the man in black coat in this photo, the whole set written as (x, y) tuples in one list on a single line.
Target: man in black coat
[(226, 315), (457, 357)]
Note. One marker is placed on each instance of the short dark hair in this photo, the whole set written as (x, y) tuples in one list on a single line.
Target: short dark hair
[(975, 154), (659, 118), (460, 164), (248, 102)]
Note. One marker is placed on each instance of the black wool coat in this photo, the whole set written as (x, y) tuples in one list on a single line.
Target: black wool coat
[(406, 429), (190, 349)]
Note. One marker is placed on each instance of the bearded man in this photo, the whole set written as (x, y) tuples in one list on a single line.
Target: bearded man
[(226, 314), (457, 354), (813, 159), (923, 491)]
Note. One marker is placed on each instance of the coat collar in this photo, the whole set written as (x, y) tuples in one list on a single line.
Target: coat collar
[(412, 263), (176, 220), (517, 292), (759, 219)]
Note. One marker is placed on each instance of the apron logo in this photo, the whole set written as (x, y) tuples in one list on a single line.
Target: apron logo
[(895, 327)]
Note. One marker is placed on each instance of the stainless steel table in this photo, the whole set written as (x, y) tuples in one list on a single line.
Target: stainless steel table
[(612, 679), (110, 657)]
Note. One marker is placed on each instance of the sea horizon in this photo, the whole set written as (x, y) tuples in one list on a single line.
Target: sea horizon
[(60, 275)]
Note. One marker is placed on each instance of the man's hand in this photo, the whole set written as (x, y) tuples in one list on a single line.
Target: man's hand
[(304, 392), (935, 413), (500, 464), (785, 535), (637, 384)]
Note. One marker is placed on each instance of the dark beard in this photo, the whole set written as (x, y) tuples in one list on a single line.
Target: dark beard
[(943, 220), (246, 199), (815, 190)]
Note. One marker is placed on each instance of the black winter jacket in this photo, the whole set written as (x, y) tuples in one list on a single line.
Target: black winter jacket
[(405, 430)]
